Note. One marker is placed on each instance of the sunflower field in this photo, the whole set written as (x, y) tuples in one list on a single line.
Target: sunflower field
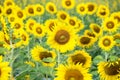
[(59, 39)]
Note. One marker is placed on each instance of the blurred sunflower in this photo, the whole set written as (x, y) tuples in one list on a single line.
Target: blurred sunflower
[(72, 21), (103, 11), (68, 4), (51, 8), (39, 9), (30, 10), (9, 3), (80, 57), (39, 54), (116, 39), (109, 70), (39, 30), (85, 41), (72, 72), (116, 16), (63, 38), (80, 25), (89, 33), (17, 25), (91, 8), (106, 43), (110, 25), (9, 10), (81, 9), (12, 19), (4, 70), (62, 16)]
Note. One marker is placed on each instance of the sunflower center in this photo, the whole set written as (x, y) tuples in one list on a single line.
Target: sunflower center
[(20, 14), (38, 30), (91, 34), (12, 19), (85, 40), (51, 26), (30, 10), (62, 37), (90, 7), (73, 74), (9, 11), (17, 26), (39, 9), (110, 25), (72, 22), (78, 58), (51, 8), (68, 3), (102, 12), (82, 8), (96, 29), (9, 3), (112, 69), (118, 18), (23, 37), (31, 25), (44, 54), (106, 42), (0, 11), (63, 16)]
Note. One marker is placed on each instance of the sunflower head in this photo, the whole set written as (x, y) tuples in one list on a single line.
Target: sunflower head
[(39, 9), (30, 10), (68, 4), (51, 8), (17, 25), (81, 9), (9, 11), (116, 16), (9, 3), (72, 21)]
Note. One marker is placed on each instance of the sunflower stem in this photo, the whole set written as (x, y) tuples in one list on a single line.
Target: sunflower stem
[(106, 56), (58, 58)]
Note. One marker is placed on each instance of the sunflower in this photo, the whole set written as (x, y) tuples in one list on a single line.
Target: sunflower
[(109, 70), (106, 43), (4, 70), (72, 72), (11, 19), (9, 3), (110, 25), (80, 25), (81, 9), (39, 9), (72, 21), (39, 54), (116, 17), (103, 11), (30, 25), (38, 30), (80, 57), (85, 41), (17, 25), (62, 16), (91, 8), (96, 29), (117, 38), (30, 10), (51, 8), (68, 4), (9, 11), (1, 10), (50, 24), (62, 38), (89, 33)]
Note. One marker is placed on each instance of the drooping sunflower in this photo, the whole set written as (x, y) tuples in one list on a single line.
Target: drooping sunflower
[(9, 3), (81, 9), (30, 25), (62, 16), (39, 9), (106, 43), (117, 38), (51, 8), (109, 70), (4, 69), (72, 72), (91, 8), (85, 41), (103, 11), (39, 30), (39, 54), (96, 29), (110, 25), (30, 10), (63, 38), (80, 57), (68, 4), (116, 16)]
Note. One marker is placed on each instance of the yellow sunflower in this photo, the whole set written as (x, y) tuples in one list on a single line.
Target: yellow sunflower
[(109, 70), (96, 29), (81, 9), (30, 10), (117, 38), (51, 8), (103, 11), (72, 72), (110, 25), (4, 70), (62, 16), (12, 19), (9, 10), (39, 54), (68, 4), (9, 3), (91, 8), (1, 10), (30, 24), (17, 25), (62, 38), (80, 57), (89, 33), (116, 16), (39, 9), (80, 25), (39, 30), (72, 21), (106, 43), (85, 41)]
